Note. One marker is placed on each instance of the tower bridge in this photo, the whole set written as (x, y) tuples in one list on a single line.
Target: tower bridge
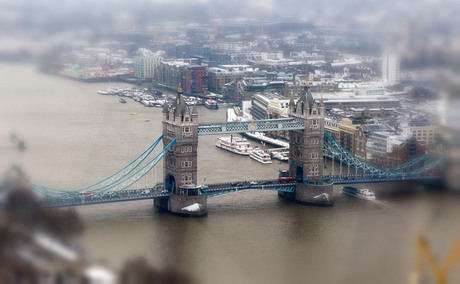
[(306, 132), (180, 193)]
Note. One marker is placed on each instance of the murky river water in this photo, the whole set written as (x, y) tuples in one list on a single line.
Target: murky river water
[(75, 137)]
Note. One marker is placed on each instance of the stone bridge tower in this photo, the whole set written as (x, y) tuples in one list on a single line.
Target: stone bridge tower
[(180, 163), (306, 162)]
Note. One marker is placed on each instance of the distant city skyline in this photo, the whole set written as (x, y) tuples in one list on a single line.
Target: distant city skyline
[(146, 12)]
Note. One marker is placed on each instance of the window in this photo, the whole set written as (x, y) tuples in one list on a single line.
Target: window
[(298, 138), (186, 178), (186, 164), (297, 153), (314, 124), (186, 131), (186, 149), (313, 170), (313, 156)]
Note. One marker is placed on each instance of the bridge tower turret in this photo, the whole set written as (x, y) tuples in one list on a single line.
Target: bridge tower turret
[(306, 162), (180, 163)]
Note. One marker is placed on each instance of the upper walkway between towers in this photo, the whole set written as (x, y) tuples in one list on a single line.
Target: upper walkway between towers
[(284, 124)]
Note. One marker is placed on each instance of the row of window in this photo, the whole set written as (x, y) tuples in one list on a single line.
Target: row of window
[(314, 124), (186, 131), (311, 141), (313, 170), (313, 155), (186, 178), (186, 164), (424, 130), (186, 149)]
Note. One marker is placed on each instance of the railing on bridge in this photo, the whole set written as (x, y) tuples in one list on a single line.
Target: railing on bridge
[(126, 195), (212, 190), (273, 185), (369, 178)]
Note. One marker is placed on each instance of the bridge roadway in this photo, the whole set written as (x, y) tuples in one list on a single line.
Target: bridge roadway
[(356, 179), (222, 188), (158, 192)]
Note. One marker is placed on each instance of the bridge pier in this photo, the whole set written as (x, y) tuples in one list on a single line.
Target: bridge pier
[(314, 194), (311, 194), (187, 206)]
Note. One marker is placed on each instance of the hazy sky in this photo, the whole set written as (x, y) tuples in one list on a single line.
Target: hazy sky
[(67, 19), (144, 11)]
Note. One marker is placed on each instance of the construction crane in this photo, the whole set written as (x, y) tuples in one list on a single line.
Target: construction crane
[(440, 272)]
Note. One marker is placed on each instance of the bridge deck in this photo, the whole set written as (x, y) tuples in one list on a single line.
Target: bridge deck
[(223, 188)]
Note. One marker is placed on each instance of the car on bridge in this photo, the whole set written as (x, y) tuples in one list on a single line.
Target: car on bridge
[(203, 186)]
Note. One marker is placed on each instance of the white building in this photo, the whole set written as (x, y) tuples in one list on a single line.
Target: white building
[(146, 63), (380, 143), (423, 131), (279, 107), (391, 68)]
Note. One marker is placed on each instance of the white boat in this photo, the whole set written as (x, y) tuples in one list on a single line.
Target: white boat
[(236, 145), (101, 92), (360, 193), (282, 156), (212, 104), (260, 156), (108, 91)]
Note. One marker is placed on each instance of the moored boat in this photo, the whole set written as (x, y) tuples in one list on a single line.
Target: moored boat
[(260, 156), (282, 156), (102, 92), (359, 193), (236, 145), (212, 104), (108, 91)]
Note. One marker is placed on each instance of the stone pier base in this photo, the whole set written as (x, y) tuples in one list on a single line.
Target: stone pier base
[(188, 206), (288, 195), (311, 194)]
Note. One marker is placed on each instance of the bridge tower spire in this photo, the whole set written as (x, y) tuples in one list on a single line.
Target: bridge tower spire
[(180, 163), (306, 162)]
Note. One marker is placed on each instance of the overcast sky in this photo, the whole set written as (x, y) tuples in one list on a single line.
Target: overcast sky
[(202, 10)]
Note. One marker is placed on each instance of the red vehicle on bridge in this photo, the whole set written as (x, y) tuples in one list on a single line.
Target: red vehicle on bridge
[(284, 177)]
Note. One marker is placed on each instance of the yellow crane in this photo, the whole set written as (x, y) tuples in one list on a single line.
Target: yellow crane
[(440, 272)]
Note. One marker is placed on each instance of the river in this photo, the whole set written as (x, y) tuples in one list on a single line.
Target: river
[(75, 137)]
